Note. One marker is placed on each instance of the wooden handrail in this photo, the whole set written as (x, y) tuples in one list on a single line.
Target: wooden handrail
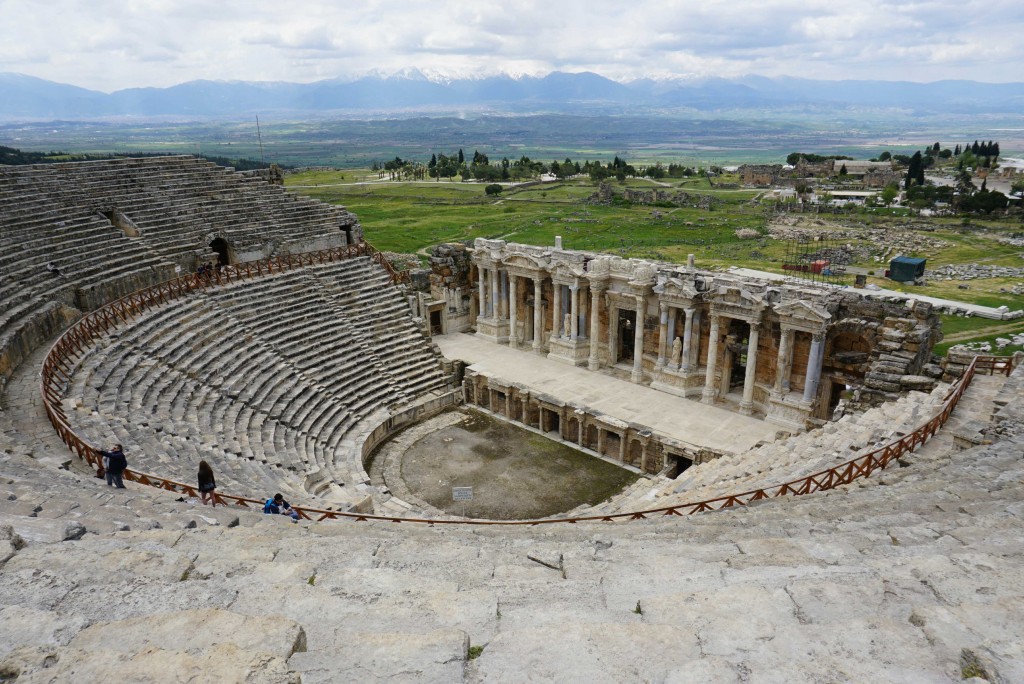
[(58, 368)]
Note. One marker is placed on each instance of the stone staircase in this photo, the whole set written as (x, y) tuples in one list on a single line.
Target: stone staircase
[(913, 575)]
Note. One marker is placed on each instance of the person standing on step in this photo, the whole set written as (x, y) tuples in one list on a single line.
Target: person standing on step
[(207, 484), (114, 464)]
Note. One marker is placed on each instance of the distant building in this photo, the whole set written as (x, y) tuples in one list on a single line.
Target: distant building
[(872, 174), (760, 174)]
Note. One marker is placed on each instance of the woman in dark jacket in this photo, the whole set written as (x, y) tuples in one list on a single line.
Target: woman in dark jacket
[(206, 484)]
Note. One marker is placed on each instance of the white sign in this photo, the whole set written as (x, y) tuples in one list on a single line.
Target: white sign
[(177, 269), (462, 493)]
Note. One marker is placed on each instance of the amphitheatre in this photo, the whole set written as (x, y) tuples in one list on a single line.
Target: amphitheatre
[(811, 497)]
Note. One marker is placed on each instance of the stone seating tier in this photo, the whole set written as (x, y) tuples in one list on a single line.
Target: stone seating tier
[(176, 202), (911, 575), (794, 457), (60, 214), (273, 377)]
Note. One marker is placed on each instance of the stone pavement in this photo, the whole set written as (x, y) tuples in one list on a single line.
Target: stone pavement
[(911, 576), (682, 419)]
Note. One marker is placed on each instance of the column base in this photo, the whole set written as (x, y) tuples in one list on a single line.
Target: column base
[(492, 330), (707, 396), (637, 376), (746, 408)]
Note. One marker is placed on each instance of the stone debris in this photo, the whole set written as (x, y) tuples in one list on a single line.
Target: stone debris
[(974, 272), (866, 244)]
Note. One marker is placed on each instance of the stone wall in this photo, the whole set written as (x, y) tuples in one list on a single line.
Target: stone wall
[(760, 174)]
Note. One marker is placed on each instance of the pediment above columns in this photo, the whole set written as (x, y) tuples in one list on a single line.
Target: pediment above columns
[(735, 302), (567, 274), (677, 292), (802, 315), (526, 265)]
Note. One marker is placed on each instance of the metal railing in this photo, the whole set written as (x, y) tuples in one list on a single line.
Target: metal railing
[(59, 366)]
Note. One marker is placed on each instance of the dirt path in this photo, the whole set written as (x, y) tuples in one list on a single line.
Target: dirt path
[(984, 332)]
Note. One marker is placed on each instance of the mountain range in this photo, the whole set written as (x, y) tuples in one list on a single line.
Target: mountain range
[(31, 98)]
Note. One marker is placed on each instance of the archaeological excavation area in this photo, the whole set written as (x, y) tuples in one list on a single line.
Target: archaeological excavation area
[(678, 474)]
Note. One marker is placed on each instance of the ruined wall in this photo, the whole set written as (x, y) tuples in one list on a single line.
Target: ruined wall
[(902, 336), (760, 174)]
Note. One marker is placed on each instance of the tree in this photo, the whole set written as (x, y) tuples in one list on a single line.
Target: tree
[(915, 172), (433, 161), (889, 194), (462, 157), (493, 189), (842, 170), (1017, 188), (956, 152), (885, 156)]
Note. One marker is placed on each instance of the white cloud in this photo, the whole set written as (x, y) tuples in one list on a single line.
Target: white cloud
[(107, 44)]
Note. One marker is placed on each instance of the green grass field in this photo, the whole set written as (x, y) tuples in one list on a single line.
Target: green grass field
[(410, 217)]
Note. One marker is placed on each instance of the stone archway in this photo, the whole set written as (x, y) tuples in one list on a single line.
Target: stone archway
[(223, 250)]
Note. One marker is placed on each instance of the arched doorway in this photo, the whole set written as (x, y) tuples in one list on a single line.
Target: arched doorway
[(223, 250), (734, 368), (627, 336)]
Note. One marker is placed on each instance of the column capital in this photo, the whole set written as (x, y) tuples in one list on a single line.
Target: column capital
[(818, 336), (663, 306)]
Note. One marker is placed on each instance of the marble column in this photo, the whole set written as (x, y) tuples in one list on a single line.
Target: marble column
[(513, 311), (494, 294), (574, 292), (482, 303), (556, 311), (594, 362), (670, 340), (747, 404), (709, 392), (662, 334), (638, 341), (622, 448), (813, 368), (613, 332), (687, 336), (538, 322), (782, 362), (584, 308), (503, 295)]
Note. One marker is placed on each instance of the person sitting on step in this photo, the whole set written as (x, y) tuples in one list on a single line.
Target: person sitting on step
[(279, 505)]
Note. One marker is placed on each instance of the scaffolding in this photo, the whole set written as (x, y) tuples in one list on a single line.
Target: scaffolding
[(817, 259)]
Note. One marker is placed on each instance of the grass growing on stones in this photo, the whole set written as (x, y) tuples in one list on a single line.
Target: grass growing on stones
[(412, 216)]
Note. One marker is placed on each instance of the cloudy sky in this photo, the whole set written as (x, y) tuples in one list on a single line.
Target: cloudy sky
[(111, 44)]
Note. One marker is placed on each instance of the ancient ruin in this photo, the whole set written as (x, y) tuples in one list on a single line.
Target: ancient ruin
[(869, 520), (789, 352)]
